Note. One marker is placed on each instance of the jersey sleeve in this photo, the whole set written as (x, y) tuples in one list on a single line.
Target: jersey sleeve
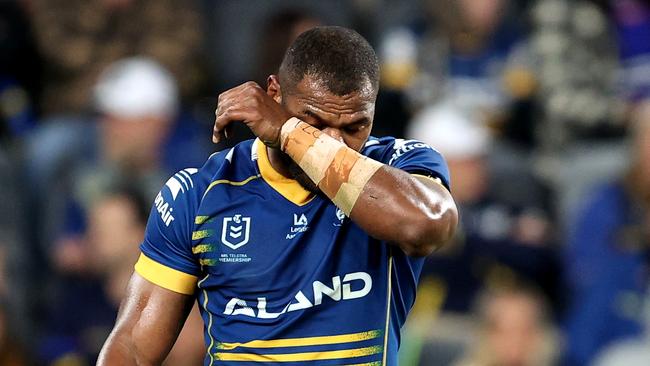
[(167, 259), (418, 158)]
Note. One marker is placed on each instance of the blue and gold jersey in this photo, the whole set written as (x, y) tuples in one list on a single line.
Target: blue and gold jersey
[(281, 275)]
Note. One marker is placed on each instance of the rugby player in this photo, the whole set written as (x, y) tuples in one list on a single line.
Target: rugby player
[(303, 246)]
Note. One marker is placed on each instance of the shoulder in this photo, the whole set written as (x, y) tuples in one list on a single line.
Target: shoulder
[(184, 189), (224, 164), (175, 206), (389, 149), (413, 156)]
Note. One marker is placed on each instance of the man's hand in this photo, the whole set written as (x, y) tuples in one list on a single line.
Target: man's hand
[(250, 104)]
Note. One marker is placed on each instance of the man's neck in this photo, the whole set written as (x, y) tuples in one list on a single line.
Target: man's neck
[(278, 161)]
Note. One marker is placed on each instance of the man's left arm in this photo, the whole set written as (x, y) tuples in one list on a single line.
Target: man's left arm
[(415, 212)]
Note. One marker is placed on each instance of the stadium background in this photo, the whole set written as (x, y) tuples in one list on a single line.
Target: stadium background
[(541, 108)]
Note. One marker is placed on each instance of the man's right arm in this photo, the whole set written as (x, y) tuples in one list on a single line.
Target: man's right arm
[(148, 323)]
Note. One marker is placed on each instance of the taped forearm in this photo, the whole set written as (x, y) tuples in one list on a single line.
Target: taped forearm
[(340, 172)]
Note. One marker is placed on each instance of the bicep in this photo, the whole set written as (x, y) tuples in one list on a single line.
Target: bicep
[(422, 214), (148, 323), (436, 187)]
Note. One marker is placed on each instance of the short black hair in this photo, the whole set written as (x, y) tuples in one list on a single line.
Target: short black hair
[(337, 56)]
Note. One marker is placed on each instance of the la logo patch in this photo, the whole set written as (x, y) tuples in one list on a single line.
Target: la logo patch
[(235, 231), (302, 221)]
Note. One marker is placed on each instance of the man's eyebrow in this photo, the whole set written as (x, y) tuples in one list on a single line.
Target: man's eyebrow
[(313, 115), (359, 121), (309, 113)]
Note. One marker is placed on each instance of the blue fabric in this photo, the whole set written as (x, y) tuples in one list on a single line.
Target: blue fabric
[(603, 270), (633, 28), (263, 260)]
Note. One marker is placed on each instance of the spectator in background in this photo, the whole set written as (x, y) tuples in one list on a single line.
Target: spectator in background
[(514, 331), (460, 52), (137, 100), (471, 52), (606, 257), (83, 308), (116, 223), (137, 137), (632, 22), (80, 38), (116, 227), (502, 236)]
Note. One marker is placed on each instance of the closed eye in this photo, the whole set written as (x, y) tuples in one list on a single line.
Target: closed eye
[(358, 125), (312, 118)]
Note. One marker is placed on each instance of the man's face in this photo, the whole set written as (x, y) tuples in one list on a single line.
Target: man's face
[(514, 329), (482, 15), (134, 142), (347, 118), (113, 231)]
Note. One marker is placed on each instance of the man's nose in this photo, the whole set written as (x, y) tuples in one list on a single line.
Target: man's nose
[(335, 133)]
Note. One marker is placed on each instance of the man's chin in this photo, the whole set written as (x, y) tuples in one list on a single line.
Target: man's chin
[(301, 177)]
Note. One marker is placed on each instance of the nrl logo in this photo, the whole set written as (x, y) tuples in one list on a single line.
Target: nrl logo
[(235, 231)]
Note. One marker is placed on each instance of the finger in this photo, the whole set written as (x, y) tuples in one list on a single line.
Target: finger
[(227, 131), (245, 103), (227, 98), (245, 88), (228, 95), (216, 135), (244, 96), (220, 134), (225, 118), (225, 103)]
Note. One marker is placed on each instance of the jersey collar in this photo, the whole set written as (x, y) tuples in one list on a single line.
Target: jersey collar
[(288, 188)]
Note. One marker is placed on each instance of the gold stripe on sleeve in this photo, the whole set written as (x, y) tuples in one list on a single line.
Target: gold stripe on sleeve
[(437, 180), (164, 276)]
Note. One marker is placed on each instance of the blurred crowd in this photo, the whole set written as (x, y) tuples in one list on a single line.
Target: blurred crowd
[(541, 108)]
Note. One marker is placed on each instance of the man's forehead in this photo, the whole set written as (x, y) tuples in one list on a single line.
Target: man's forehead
[(314, 92)]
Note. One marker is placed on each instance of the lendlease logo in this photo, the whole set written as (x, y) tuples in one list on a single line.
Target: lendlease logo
[(300, 225)]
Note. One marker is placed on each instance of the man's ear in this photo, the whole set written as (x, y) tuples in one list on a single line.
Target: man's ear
[(273, 88)]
